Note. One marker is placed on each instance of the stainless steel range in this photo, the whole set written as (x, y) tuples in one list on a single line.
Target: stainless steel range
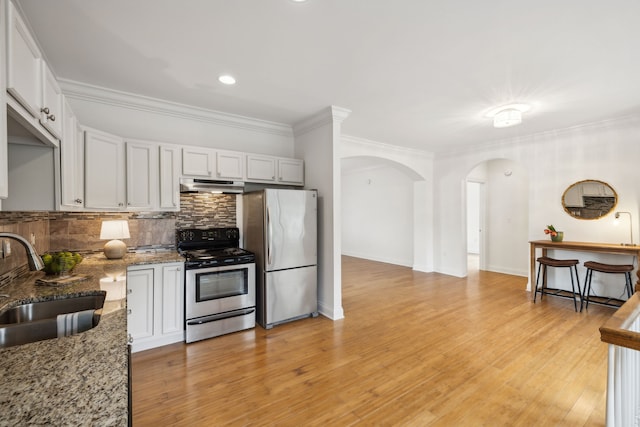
[(220, 282)]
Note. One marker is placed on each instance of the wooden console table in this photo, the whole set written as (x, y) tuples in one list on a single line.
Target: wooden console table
[(605, 248)]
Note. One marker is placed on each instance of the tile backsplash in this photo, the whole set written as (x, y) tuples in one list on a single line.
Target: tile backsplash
[(80, 231)]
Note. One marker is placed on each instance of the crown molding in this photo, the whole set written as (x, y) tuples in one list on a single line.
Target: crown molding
[(86, 92), (545, 135), (326, 116), (387, 147)]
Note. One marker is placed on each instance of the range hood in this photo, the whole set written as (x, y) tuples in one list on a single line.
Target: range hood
[(193, 185)]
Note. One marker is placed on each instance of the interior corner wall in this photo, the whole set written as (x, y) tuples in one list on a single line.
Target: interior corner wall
[(322, 172), (377, 215), (181, 129)]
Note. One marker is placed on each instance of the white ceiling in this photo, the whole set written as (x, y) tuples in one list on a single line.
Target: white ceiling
[(415, 73)]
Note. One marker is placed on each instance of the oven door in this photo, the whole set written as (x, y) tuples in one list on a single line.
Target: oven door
[(219, 289)]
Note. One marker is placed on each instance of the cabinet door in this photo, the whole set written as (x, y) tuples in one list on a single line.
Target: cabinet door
[(197, 162), (172, 298), (104, 167), (261, 168), (229, 165), (142, 175), (23, 63), (50, 107), (291, 171), (140, 294), (71, 160), (169, 178)]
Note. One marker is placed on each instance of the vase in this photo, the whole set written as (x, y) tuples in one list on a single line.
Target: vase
[(558, 237)]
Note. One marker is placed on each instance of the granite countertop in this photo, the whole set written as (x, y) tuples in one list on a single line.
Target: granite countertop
[(76, 380)]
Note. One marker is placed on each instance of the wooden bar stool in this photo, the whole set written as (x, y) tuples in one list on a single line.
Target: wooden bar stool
[(592, 266), (544, 262)]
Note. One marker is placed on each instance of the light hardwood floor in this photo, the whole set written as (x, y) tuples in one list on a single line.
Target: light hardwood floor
[(414, 349)]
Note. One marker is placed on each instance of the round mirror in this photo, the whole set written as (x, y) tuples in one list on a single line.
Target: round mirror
[(589, 199)]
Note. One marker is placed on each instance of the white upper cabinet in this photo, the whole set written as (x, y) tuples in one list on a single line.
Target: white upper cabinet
[(230, 165), (198, 162), (261, 168), (51, 113), (71, 161), (24, 70), (170, 161), (291, 171), (104, 185), (142, 175)]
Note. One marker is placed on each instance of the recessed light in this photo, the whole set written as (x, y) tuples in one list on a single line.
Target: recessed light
[(227, 79)]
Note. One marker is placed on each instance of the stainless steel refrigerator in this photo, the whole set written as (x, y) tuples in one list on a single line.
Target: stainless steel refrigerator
[(281, 228)]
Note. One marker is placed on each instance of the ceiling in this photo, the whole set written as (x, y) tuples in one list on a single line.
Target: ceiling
[(414, 73)]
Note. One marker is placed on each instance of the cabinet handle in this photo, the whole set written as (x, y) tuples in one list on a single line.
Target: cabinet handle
[(130, 290), (129, 338), (78, 201), (45, 110), (120, 204), (51, 117), (129, 311)]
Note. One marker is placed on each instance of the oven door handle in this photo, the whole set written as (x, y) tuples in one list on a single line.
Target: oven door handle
[(221, 316)]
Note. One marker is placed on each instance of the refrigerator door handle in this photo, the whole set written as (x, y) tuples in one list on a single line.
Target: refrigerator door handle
[(269, 236)]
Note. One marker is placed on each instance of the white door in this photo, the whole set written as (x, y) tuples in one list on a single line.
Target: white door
[(104, 171), (140, 303), (172, 299), (169, 178), (142, 175)]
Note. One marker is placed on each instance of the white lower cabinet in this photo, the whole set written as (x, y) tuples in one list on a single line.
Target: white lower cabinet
[(155, 305)]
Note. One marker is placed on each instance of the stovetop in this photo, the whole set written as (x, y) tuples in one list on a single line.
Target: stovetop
[(212, 247)]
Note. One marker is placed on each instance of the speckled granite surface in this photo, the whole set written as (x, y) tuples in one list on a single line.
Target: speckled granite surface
[(76, 380)]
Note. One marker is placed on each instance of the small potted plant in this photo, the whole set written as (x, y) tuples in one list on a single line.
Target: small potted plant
[(556, 236)]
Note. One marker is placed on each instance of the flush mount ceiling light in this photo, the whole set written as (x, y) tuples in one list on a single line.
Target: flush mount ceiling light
[(508, 115), (227, 79)]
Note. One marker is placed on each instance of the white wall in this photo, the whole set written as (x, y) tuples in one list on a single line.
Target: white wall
[(138, 117), (317, 141), (607, 151), (377, 214), (506, 218), (418, 166), (30, 167)]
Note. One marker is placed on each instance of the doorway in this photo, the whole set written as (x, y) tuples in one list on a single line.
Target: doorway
[(475, 216)]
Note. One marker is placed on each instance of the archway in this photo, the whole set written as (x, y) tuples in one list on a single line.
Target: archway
[(503, 209), (378, 205)]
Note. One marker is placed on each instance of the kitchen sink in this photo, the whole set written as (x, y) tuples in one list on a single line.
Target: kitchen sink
[(38, 321)]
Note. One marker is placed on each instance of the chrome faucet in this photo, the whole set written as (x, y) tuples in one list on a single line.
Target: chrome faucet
[(34, 260)]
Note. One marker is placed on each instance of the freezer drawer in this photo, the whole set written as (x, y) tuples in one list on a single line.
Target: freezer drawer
[(288, 295)]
